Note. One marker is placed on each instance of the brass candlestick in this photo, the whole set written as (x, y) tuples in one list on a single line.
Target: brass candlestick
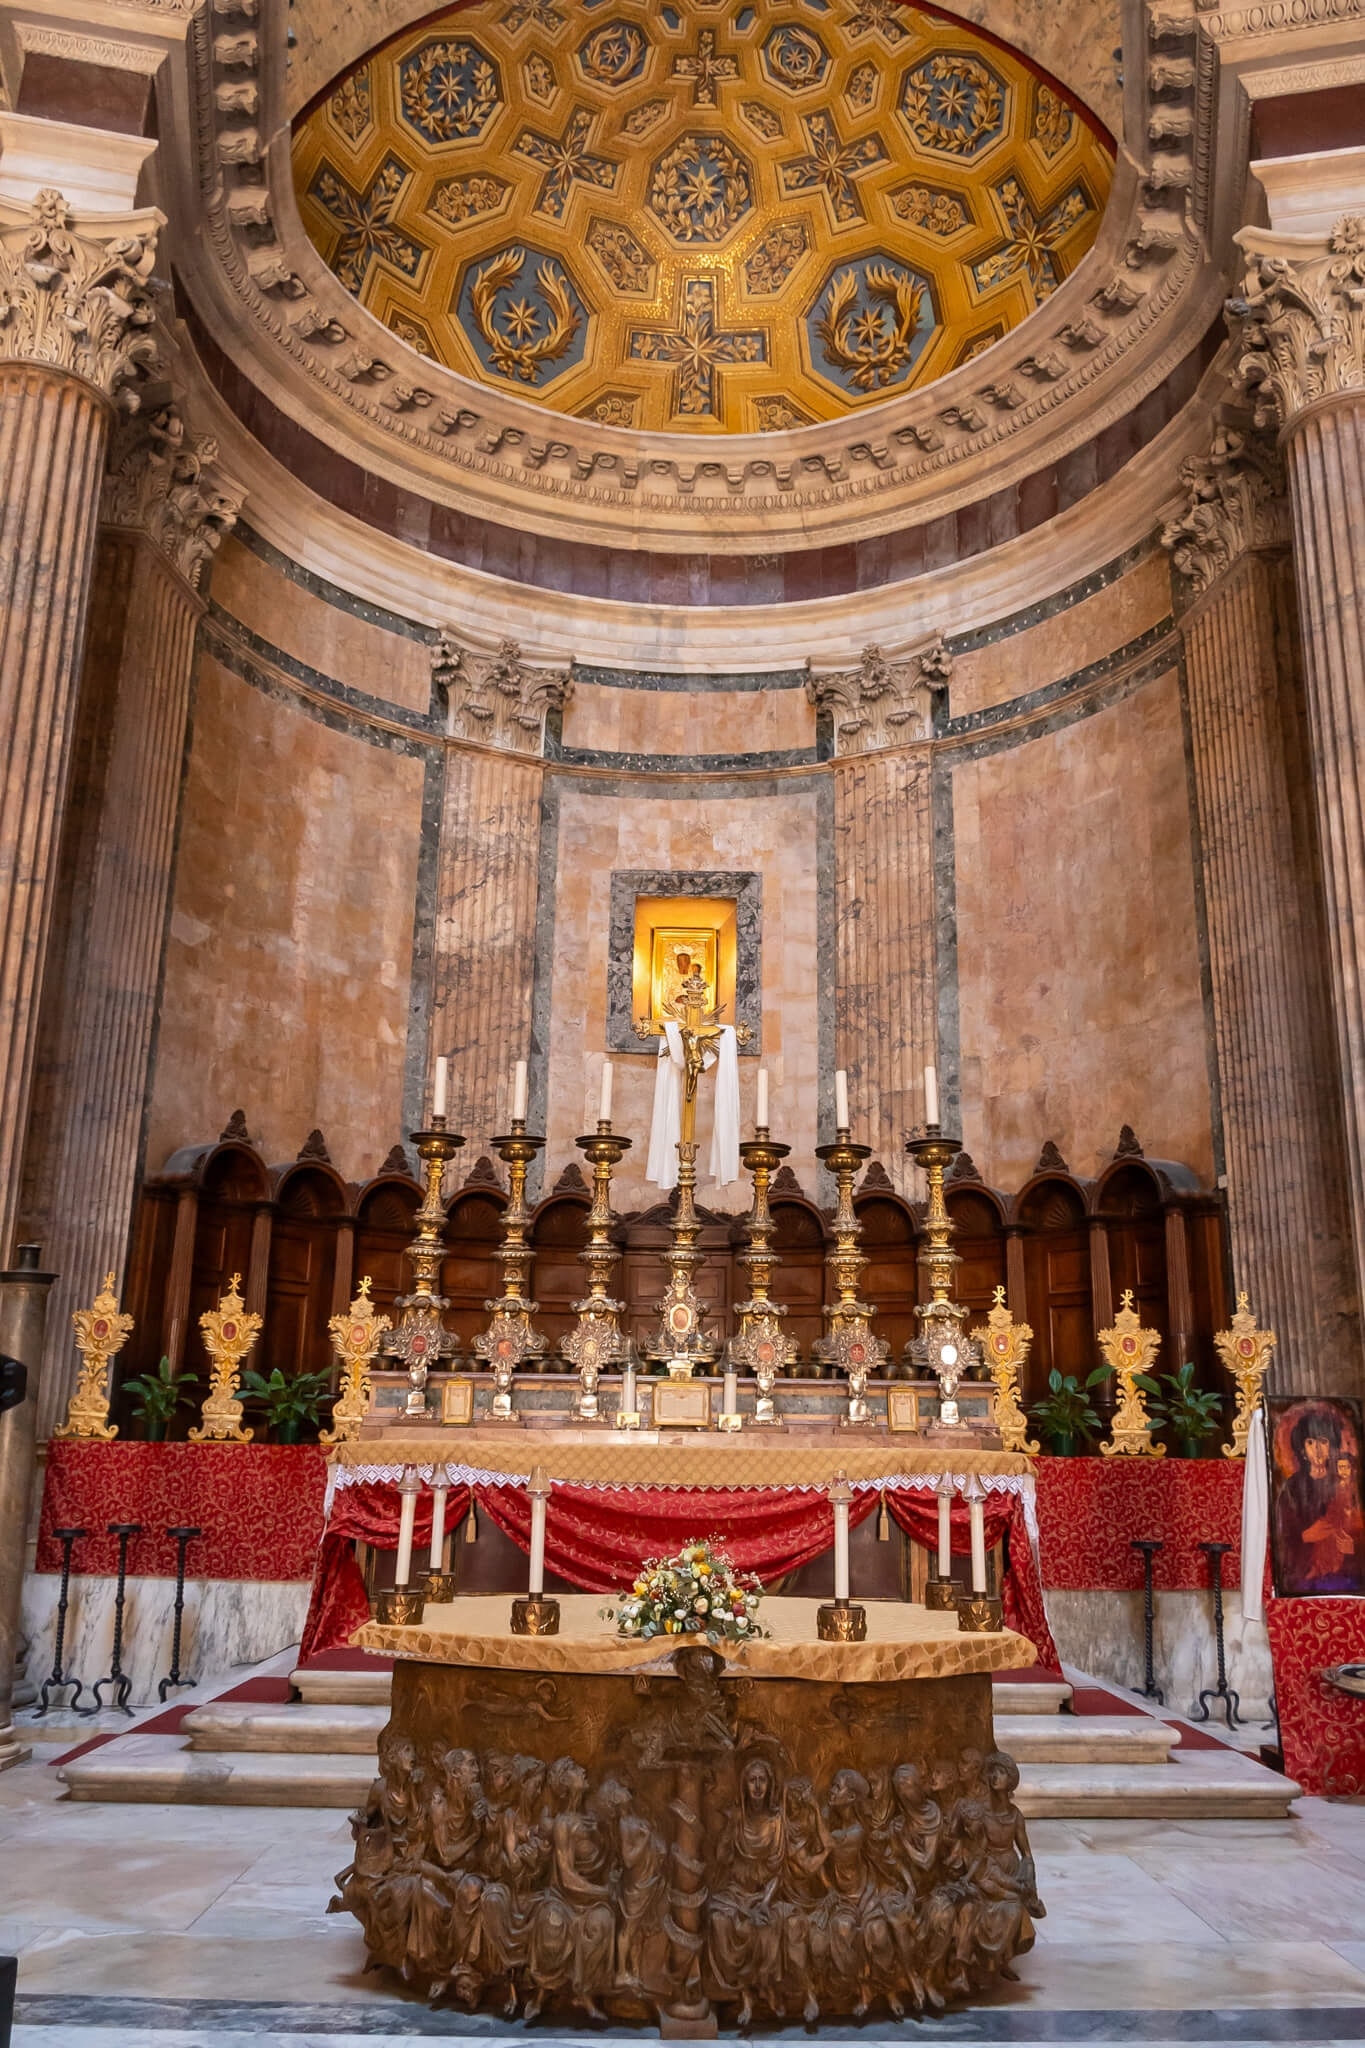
[(101, 1333), (761, 1346), (1006, 1347), (421, 1339), (356, 1338), (943, 1346), (850, 1345), (596, 1340), (509, 1339), (1245, 1351), (228, 1336)]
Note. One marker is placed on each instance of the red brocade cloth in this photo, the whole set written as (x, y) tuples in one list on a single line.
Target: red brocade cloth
[(1321, 1727), (260, 1507), (1091, 1509), (597, 1538)]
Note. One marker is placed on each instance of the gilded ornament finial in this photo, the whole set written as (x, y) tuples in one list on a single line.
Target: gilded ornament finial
[(1005, 1347), (355, 1339), (228, 1336), (1130, 1350), (101, 1333), (1245, 1353)]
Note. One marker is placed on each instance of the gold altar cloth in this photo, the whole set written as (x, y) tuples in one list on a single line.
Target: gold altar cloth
[(903, 1641), (680, 1457)]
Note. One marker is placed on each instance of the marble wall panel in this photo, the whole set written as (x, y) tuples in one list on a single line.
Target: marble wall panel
[(1078, 960), (334, 638), (774, 834), (1011, 663), (288, 963), (693, 722), (1101, 1633)]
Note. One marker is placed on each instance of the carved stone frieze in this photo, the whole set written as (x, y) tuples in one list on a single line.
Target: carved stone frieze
[(1235, 500), (1300, 320), (162, 481), (73, 296), (497, 699), (882, 702)]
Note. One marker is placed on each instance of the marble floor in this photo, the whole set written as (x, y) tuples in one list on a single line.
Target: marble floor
[(181, 1927)]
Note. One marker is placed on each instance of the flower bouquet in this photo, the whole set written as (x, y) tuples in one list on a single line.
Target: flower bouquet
[(696, 1593)]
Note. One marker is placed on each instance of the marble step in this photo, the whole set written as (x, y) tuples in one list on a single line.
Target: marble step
[(371, 1689), (1201, 1784), (1085, 1739)]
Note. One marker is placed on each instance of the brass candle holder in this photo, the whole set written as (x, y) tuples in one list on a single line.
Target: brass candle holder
[(535, 1613), (401, 1606), (421, 1339), (850, 1346), (841, 1621), (101, 1333), (761, 1346), (942, 1595), (596, 1341), (943, 1346), (1245, 1352), (510, 1340), (979, 1614), (356, 1337)]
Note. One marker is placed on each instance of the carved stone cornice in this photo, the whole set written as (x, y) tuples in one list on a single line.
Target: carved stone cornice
[(162, 481), (1235, 500), (882, 702), (1300, 319), (497, 699), (73, 294)]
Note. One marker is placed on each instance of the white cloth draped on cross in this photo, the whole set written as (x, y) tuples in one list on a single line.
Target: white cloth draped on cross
[(666, 1125)]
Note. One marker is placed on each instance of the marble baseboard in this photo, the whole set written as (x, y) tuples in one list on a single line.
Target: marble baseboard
[(1101, 1633), (227, 1623)]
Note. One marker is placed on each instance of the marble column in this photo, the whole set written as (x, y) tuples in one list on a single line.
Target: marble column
[(74, 314), (165, 509), (1300, 325), (1284, 1160)]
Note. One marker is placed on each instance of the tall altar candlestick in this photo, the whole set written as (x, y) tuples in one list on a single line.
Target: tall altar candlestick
[(441, 1087), (539, 1490), (841, 1100), (945, 1532), (976, 1509), (604, 1107), (407, 1518), (930, 1096), (519, 1092), (761, 1107), (840, 1494), (438, 1527)]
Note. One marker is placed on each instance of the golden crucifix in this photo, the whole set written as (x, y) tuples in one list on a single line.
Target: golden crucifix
[(680, 1342)]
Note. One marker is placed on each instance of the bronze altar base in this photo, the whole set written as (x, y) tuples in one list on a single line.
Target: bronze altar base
[(534, 1614), (662, 1848), (400, 1606), (840, 1621), (942, 1595), (978, 1614)]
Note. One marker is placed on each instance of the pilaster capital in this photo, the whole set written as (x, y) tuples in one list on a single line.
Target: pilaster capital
[(883, 702), (1234, 500), (74, 293), (162, 480), (497, 699), (1300, 319)]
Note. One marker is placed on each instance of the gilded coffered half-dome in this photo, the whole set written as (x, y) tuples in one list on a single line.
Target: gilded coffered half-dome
[(719, 215)]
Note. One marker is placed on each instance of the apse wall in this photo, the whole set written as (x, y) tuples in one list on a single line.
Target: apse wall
[(357, 891)]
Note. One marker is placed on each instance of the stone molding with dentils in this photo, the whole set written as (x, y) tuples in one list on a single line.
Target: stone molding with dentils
[(882, 703), (74, 291), (498, 699), (1111, 332), (163, 480), (1300, 319), (1235, 500)]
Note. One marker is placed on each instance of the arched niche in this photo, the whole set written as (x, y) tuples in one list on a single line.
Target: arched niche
[(1129, 1199), (234, 1188), (890, 1278), (799, 1239), (386, 1223), (559, 1231), (310, 1201), (979, 1241), (470, 1273), (1057, 1281)]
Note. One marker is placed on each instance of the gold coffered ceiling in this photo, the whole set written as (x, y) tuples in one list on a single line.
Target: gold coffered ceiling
[(726, 217)]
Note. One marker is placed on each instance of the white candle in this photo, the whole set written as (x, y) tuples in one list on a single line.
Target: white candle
[(841, 1549), (407, 1518), (761, 1110), (438, 1528), (519, 1092), (441, 1089), (730, 1398), (930, 1096), (841, 1100), (945, 1535), (540, 1494), (604, 1106), (628, 1390), (976, 1509)]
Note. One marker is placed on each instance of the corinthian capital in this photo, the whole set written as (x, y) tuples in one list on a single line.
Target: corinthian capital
[(498, 699), (162, 481), (882, 703), (1234, 501), (74, 295), (1300, 319)]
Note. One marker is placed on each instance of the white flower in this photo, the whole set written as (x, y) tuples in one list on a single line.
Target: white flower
[(701, 1605), (741, 1621)]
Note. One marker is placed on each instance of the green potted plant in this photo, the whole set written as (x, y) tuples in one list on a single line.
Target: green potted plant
[(288, 1405), (156, 1396), (1175, 1403), (1065, 1413)]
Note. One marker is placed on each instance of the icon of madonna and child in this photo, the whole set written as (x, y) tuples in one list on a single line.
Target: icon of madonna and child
[(1317, 1521)]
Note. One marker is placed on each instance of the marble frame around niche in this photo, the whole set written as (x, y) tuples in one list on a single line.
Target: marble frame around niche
[(627, 884)]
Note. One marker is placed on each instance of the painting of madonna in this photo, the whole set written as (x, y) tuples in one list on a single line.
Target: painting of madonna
[(1317, 1523)]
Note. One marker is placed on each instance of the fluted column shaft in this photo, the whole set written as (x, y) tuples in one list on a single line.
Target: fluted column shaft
[(53, 434), (886, 1003), (99, 1006)]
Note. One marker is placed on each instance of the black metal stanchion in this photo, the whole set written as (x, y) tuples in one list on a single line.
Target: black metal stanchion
[(183, 1538), (118, 1677), (1222, 1692), (57, 1680), (1149, 1547)]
